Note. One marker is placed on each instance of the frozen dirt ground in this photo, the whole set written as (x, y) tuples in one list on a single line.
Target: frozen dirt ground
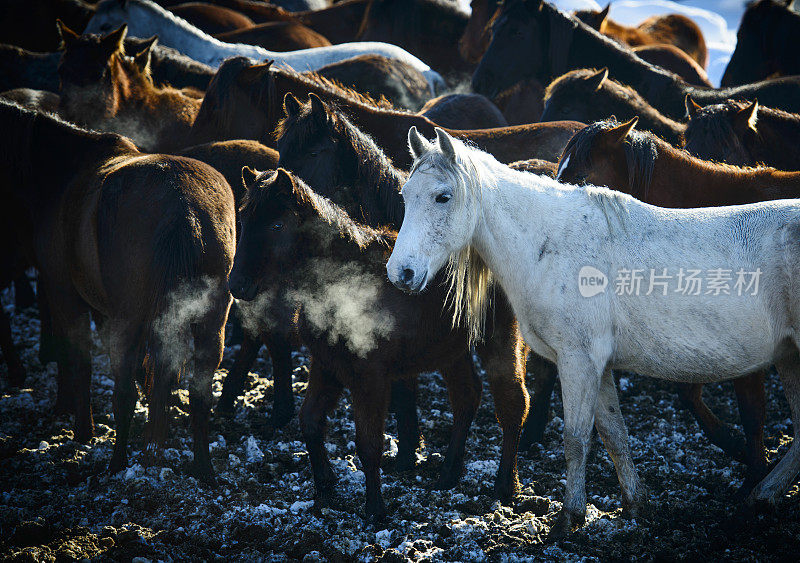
[(57, 503)]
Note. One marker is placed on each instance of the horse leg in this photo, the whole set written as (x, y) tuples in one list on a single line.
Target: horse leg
[(235, 382), (777, 482), (126, 352), (280, 350), (51, 349), (611, 427), (719, 433), (580, 382), (24, 296), (79, 369), (464, 390), (370, 406), (322, 395), (505, 357), (752, 411), (209, 344), (16, 371), (544, 381), (404, 405)]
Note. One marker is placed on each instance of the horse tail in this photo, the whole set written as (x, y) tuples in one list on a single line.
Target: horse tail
[(176, 261)]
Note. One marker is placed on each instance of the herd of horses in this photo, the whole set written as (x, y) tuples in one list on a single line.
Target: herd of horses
[(160, 159)]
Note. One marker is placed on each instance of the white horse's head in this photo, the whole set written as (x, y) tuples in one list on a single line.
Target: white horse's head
[(441, 213)]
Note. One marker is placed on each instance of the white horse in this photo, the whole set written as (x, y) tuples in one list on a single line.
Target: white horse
[(554, 249), (146, 18)]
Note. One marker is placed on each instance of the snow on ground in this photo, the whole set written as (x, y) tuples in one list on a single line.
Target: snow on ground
[(58, 503)]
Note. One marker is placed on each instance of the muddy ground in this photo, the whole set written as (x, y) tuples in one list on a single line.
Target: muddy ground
[(57, 503)]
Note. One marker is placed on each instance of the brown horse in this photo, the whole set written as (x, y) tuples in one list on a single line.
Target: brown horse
[(611, 154), (244, 102), (674, 60), (590, 95), (478, 34), (670, 29), (381, 77), (276, 36), (744, 134), (294, 238), (463, 111), (210, 18), (40, 100), (104, 89), (144, 242), (522, 103)]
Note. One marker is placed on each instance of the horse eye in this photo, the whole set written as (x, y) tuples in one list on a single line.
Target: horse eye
[(443, 198), (277, 225), (313, 154)]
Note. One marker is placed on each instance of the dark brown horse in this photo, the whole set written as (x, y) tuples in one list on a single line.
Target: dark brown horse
[(321, 146), (103, 88), (744, 134), (766, 43), (244, 102), (522, 103), (612, 154), (669, 29), (531, 39), (276, 36), (294, 238), (590, 95), (144, 242), (463, 111), (32, 25), (211, 18)]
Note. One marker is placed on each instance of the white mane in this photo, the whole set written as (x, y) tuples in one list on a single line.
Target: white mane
[(146, 18)]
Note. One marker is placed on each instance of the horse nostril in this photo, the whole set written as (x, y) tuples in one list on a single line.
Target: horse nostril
[(407, 276)]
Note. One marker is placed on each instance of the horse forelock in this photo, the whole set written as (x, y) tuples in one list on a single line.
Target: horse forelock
[(712, 129)]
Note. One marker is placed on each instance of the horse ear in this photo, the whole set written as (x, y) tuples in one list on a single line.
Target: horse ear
[(790, 4), (692, 107), (603, 14), (142, 58), (317, 106), (596, 79), (416, 143), (68, 37), (291, 105), (284, 184), (748, 116), (616, 135), (249, 176), (445, 143), (114, 41)]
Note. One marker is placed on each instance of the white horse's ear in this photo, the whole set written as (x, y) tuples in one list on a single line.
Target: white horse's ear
[(416, 143), (446, 143)]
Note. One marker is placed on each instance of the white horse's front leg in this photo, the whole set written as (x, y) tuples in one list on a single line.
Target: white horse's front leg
[(611, 427), (580, 382)]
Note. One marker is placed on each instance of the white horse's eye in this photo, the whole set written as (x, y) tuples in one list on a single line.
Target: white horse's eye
[(443, 198)]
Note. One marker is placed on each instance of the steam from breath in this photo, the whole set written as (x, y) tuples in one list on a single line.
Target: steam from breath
[(341, 301), (189, 303)]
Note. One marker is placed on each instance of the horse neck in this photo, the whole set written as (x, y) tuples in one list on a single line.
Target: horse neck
[(656, 122), (378, 183), (681, 180)]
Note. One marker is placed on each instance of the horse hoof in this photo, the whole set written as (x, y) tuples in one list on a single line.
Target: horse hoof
[(405, 463), (117, 464), (561, 527), (204, 473), (83, 434), (224, 408), (377, 516), (506, 490), (447, 480), (281, 415)]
